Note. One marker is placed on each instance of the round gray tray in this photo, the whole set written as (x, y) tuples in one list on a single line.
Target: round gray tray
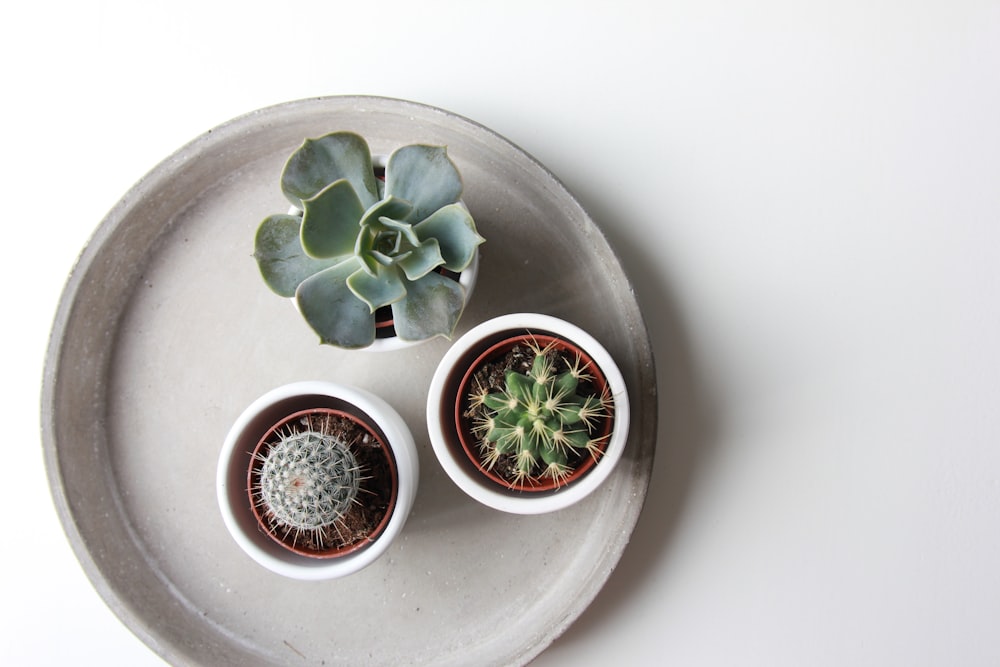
[(165, 332)]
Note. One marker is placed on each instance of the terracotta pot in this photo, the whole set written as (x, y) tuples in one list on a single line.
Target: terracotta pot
[(250, 433), (446, 417), (495, 353), (364, 522)]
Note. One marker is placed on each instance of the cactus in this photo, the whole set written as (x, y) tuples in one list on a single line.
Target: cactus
[(354, 244), (308, 480), (539, 420)]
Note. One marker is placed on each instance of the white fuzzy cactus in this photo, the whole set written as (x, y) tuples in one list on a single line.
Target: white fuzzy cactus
[(308, 480)]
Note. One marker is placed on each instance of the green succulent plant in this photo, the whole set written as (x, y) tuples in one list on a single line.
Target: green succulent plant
[(540, 420), (355, 244), (308, 480)]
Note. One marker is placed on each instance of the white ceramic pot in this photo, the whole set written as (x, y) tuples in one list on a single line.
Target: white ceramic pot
[(235, 459), (443, 430)]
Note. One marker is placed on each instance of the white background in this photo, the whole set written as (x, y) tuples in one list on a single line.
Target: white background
[(805, 194)]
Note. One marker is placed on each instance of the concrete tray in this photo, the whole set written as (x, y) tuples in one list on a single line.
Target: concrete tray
[(166, 332)]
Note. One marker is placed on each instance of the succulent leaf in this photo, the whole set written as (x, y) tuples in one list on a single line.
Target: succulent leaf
[(282, 262), (425, 176), (332, 309), (431, 307), (389, 260), (388, 207), (382, 237), (330, 221), (384, 287), (423, 259), (319, 162), (455, 231)]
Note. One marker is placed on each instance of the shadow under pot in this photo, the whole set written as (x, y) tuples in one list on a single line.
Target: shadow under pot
[(316, 479), (528, 413)]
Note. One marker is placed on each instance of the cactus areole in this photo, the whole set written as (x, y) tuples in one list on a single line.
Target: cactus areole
[(534, 412), (322, 483)]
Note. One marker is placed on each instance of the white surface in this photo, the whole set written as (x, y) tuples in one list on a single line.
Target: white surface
[(806, 198)]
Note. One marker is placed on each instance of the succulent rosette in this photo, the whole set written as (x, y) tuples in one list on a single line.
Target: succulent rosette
[(354, 244)]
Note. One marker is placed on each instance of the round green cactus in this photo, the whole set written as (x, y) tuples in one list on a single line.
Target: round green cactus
[(356, 244), (308, 481), (540, 420)]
